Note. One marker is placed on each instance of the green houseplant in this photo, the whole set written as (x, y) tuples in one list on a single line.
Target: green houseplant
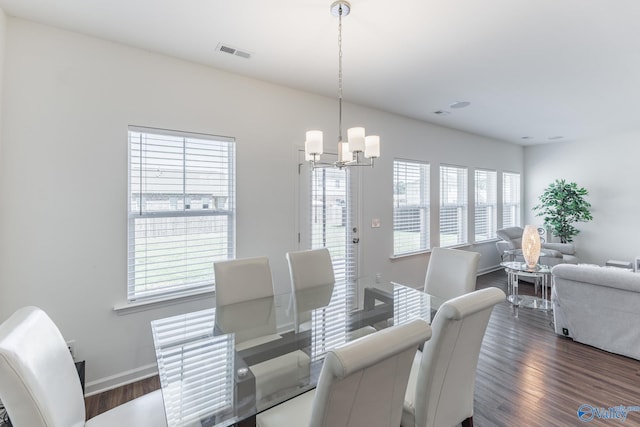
[(561, 205)]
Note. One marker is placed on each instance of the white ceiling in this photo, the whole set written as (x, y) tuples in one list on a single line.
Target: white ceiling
[(530, 68)]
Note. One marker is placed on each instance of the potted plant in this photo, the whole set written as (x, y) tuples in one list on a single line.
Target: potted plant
[(561, 205)]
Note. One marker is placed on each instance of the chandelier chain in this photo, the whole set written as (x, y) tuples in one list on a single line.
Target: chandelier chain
[(340, 74)]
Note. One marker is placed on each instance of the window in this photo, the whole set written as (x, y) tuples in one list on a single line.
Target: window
[(510, 199), (410, 207), (486, 219), (181, 210), (453, 205)]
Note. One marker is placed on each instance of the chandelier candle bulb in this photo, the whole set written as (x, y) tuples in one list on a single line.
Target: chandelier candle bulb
[(372, 147), (531, 245), (313, 144)]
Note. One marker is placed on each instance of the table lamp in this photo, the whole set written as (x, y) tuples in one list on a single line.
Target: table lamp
[(531, 246)]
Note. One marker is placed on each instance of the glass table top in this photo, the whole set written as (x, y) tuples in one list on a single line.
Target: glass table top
[(523, 267), (221, 366)]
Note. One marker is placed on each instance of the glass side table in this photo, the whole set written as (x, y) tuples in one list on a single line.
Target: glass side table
[(541, 275)]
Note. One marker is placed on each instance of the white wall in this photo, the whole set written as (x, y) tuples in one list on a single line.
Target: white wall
[(67, 103), (608, 169)]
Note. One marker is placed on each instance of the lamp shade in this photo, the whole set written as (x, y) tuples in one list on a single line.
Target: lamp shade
[(344, 155), (356, 139), (313, 144), (531, 245), (372, 146)]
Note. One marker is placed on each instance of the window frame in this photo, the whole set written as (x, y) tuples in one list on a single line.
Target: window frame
[(423, 206), (517, 216), (493, 221), (462, 217), (217, 219)]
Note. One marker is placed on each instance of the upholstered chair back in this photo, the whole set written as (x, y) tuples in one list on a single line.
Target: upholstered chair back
[(362, 384), (39, 384), (446, 372), (242, 280), (511, 235), (451, 272), (312, 282)]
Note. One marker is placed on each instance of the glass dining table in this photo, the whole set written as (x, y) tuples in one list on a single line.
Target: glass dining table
[(220, 367)]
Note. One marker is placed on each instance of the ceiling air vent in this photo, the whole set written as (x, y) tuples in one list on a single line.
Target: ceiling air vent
[(232, 51)]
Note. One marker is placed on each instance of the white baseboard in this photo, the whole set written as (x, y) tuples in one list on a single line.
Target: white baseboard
[(108, 383)]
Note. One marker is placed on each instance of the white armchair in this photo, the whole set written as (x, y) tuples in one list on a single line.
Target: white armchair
[(39, 384), (554, 253)]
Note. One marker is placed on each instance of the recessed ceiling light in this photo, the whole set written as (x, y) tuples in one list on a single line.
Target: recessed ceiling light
[(526, 137), (552, 138), (442, 112), (460, 104)]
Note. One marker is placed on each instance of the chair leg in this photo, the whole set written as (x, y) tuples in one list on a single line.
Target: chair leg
[(468, 422)]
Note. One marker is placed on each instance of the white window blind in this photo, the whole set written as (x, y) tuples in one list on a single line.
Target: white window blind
[(329, 324), (409, 304), (331, 223), (486, 204), (410, 207), (181, 210), (453, 205), (510, 199), (195, 367), (331, 219)]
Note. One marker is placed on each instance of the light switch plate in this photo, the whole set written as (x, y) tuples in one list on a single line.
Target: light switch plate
[(375, 223)]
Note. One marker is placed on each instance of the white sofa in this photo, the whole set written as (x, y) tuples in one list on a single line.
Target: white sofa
[(598, 306)]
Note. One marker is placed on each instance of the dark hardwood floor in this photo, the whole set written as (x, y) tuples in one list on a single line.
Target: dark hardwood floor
[(527, 375)]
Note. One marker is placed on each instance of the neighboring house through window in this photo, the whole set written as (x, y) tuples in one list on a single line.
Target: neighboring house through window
[(181, 210)]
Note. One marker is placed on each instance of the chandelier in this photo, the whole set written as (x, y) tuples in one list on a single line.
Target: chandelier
[(358, 150)]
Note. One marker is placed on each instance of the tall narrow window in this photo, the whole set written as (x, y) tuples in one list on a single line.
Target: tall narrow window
[(453, 205), (510, 199), (486, 219), (331, 219), (181, 210), (410, 207), (331, 223)]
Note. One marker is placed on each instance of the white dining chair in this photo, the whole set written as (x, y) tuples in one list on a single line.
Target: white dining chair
[(312, 282), (451, 272), (39, 384), (244, 300), (245, 306), (312, 285), (361, 383), (442, 380)]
